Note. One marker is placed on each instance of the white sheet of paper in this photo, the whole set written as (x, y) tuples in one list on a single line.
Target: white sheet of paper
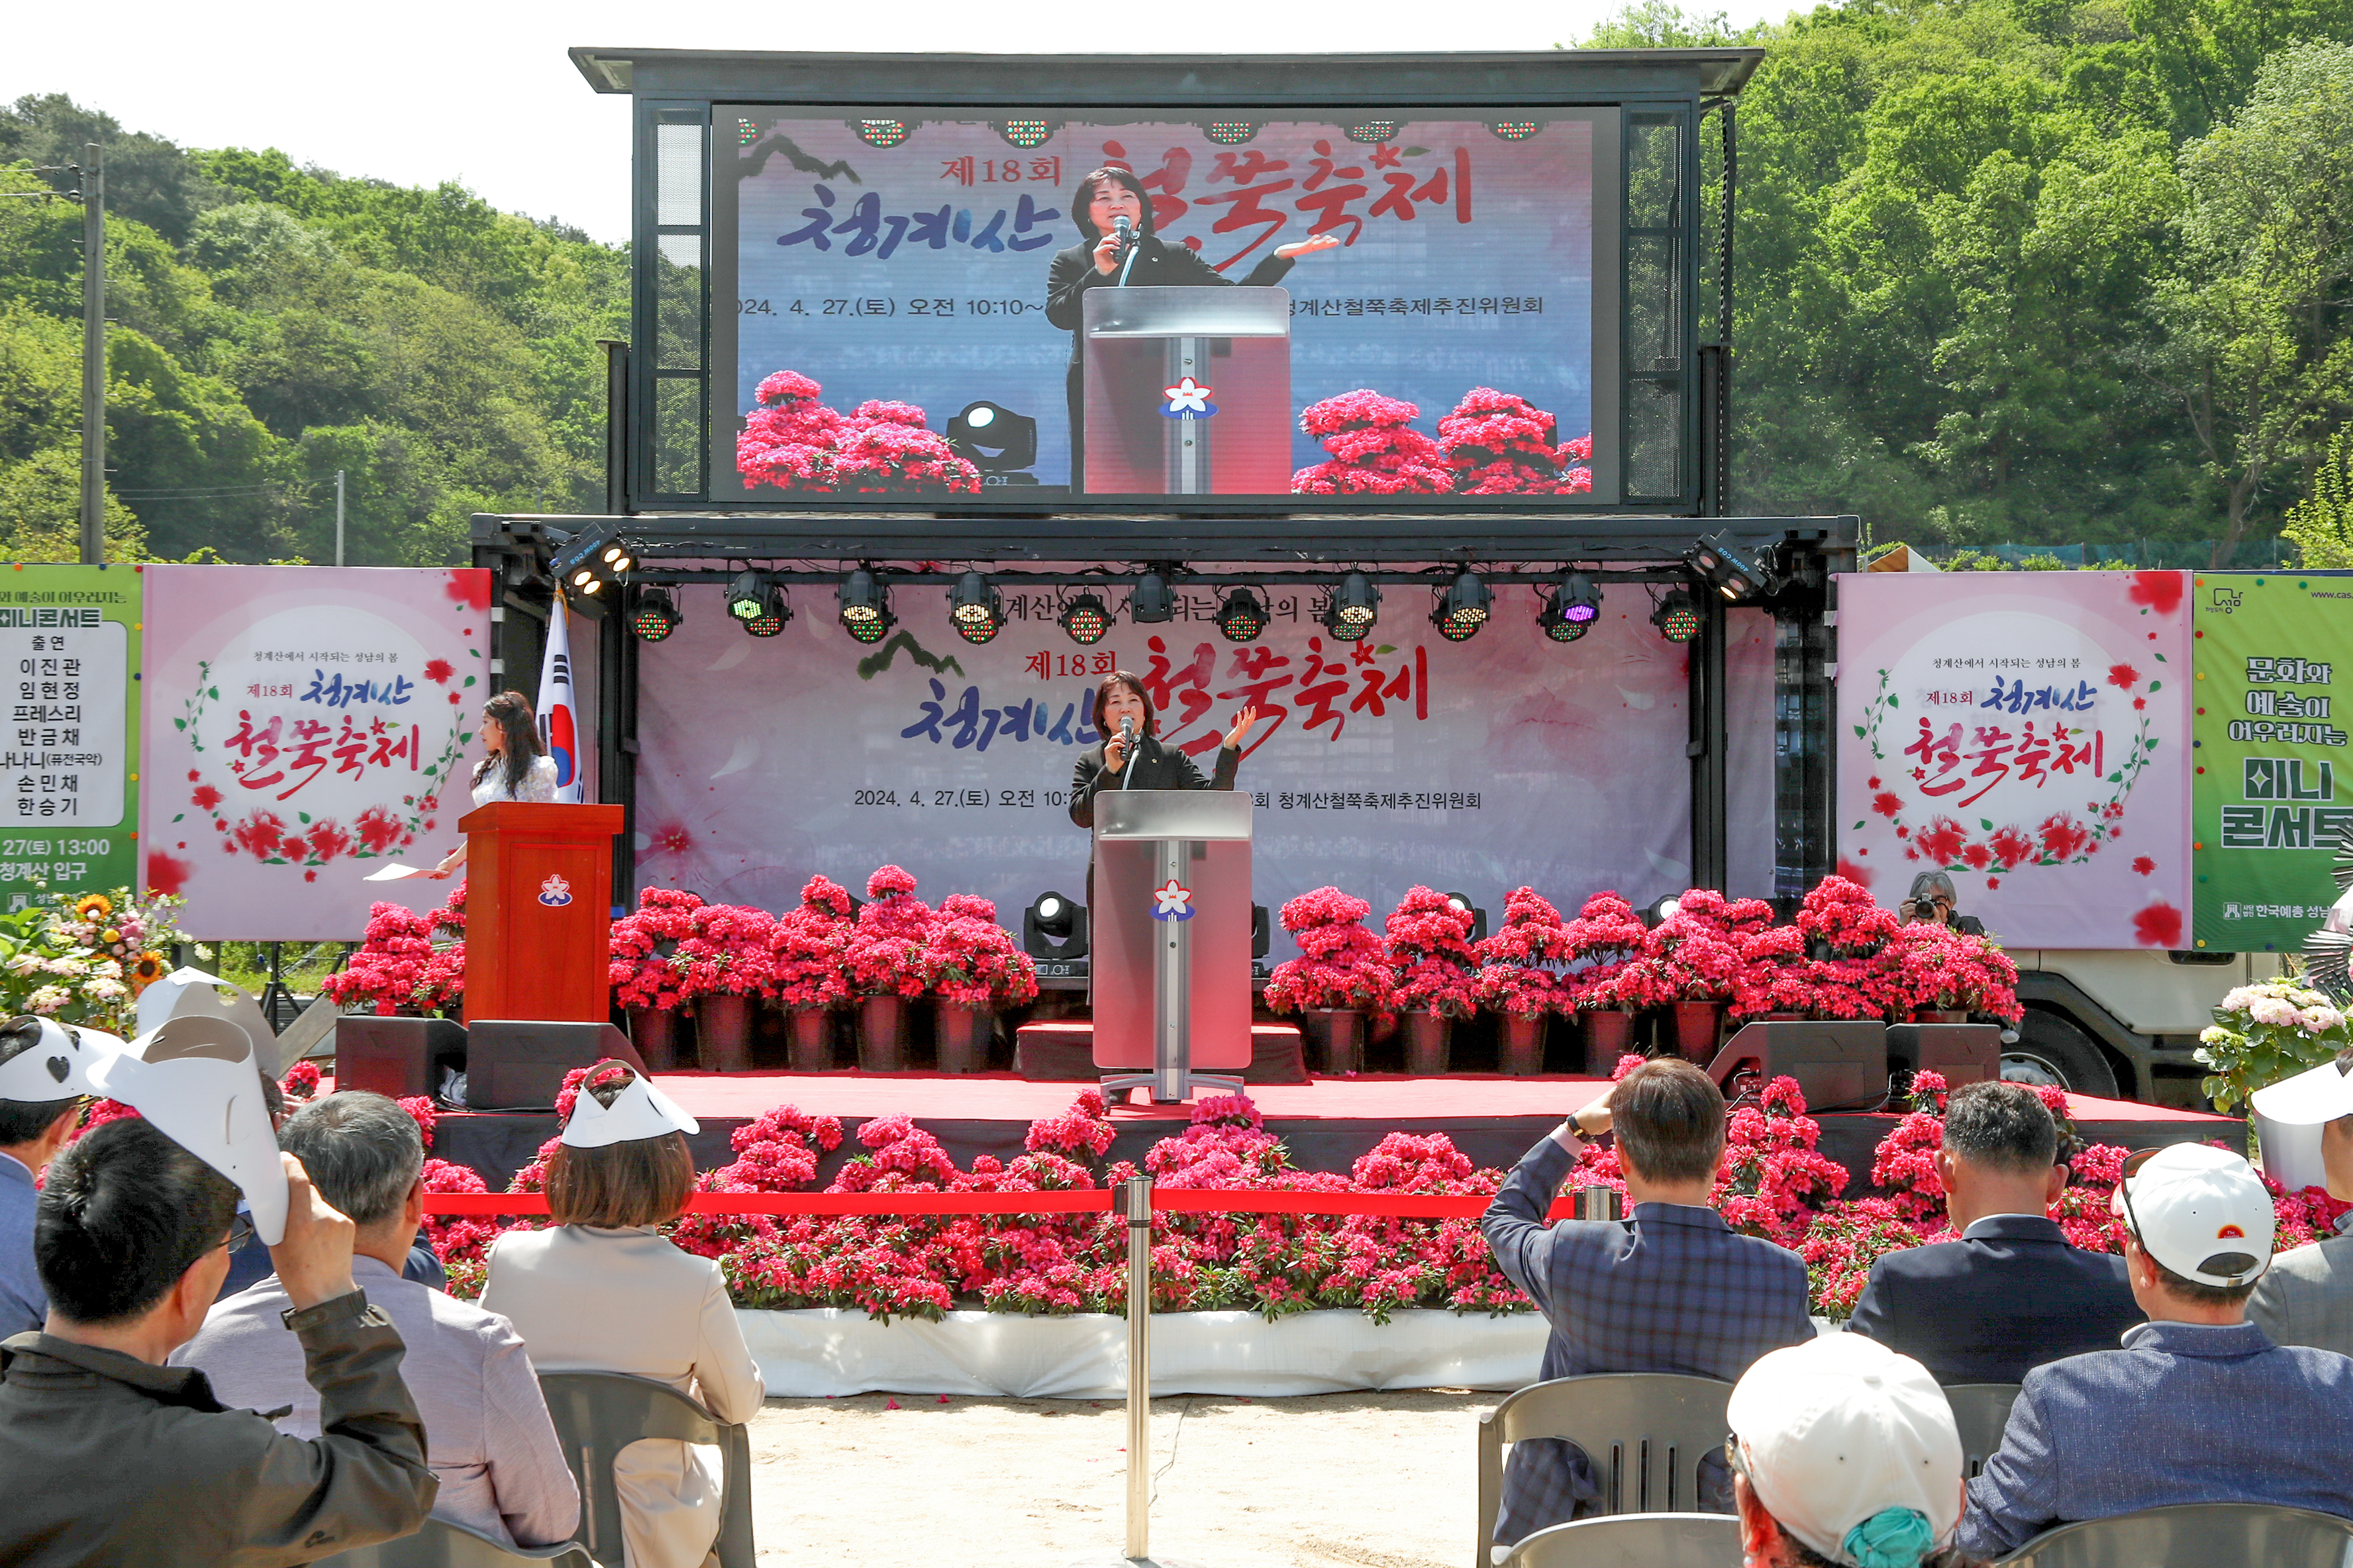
[(396, 873)]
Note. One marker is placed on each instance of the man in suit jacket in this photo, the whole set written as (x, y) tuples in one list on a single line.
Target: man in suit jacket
[(2307, 1298), (2010, 1294), (1670, 1289), (2199, 1405)]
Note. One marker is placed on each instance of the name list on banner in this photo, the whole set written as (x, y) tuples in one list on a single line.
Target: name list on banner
[(69, 764)]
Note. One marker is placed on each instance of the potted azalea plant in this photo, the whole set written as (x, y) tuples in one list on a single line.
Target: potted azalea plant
[(809, 969), (1340, 975), (1433, 972), (886, 955), (1846, 932), (725, 957), (648, 981), (407, 962), (1693, 957), (1602, 944), (975, 969), (1517, 979), (1949, 974)]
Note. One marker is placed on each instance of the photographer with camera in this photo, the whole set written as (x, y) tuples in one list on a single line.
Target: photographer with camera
[(1933, 899)]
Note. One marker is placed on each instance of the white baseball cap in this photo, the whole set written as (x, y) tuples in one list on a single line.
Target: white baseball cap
[(1852, 1448), (2200, 1211), (2321, 1094)]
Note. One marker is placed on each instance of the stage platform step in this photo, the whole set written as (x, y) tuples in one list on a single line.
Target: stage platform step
[(1328, 1122), (1064, 1053)]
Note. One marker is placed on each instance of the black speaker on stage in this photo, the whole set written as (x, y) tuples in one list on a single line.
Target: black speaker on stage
[(518, 1064), (1838, 1066), (401, 1058), (1962, 1053)]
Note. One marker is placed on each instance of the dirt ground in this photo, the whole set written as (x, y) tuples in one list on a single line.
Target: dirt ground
[(1361, 1481)]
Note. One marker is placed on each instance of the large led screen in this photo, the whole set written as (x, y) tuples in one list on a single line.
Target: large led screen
[(1392, 311)]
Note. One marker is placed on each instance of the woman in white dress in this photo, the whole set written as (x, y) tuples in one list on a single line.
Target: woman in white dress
[(604, 1290), (514, 766)]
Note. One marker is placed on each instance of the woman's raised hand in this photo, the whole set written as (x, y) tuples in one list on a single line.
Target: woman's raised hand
[(1114, 753), (1107, 257), (1243, 721), (1312, 244)]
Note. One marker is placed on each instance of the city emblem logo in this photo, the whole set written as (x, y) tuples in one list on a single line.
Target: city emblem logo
[(1188, 399), (1172, 900), (555, 892)]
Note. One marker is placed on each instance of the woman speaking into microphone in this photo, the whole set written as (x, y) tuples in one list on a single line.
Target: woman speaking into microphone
[(1131, 755), (1120, 250)]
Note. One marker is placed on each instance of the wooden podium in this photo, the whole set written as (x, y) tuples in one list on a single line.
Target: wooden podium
[(539, 908)]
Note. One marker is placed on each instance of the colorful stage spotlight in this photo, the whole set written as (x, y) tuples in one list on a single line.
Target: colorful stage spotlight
[(1085, 619), (656, 616), (1463, 608), (1515, 130), (977, 608), (1232, 133), (1150, 601), (591, 563), (883, 133), (1373, 132), (775, 613), (1676, 616), (1025, 133), (865, 606), (1240, 615), (1737, 573), (1570, 610), (746, 595)]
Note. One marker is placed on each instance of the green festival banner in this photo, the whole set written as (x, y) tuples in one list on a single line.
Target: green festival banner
[(69, 637), (2269, 793)]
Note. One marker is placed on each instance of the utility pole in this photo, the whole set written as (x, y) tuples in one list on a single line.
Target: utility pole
[(339, 517), (93, 353)]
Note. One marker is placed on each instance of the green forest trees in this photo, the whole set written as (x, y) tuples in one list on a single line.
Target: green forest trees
[(274, 325)]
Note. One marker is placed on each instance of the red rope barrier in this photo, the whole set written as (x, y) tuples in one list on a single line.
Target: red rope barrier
[(1165, 1200)]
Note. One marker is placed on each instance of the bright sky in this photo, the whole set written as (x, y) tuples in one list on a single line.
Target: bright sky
[(423, 90)]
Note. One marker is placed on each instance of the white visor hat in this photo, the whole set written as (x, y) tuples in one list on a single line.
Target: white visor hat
[(57, 1064), (195, 1079), (640, 1110)]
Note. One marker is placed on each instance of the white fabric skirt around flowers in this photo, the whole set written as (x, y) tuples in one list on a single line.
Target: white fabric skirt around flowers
[(836, 1352)]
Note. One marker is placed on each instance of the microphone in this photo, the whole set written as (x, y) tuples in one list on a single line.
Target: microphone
[(1126, 737), (1125, 229)]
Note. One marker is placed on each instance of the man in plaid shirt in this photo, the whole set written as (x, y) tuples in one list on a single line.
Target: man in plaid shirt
[(1671, 1288)]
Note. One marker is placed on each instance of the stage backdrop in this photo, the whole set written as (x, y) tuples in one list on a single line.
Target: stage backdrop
[(70, 784), (1472, 767), (302, 725), (2269, 813), (2028, 734)]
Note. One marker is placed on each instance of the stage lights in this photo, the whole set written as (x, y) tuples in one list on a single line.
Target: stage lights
[(1242, 616), (1150, 601), (1025, 133), (1463, 609), (1085, 619), (884, 133), (1054, 929), (1677, 616), (1737, 573), (656, 616), (1461, 904), (1515, 130), (774, 614), (1571, 609), (1356, 605), (1232, 133), (746, 595), (1373, 132), (976, 608), (865, 606), (996, 440), (592, 563)]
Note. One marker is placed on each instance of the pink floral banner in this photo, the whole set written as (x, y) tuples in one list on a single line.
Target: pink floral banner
[(300, 728), (2028, 733)]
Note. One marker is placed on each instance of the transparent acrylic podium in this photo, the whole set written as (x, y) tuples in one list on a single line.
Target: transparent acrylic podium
[(1230, 433), (1169, 987)]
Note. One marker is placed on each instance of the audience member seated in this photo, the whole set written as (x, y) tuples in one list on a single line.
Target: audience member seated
[(112, 1459), (2306, 1298), (604, 1290), (1668, 1289), (488, 1436), (2010, 1294), (38, 1108), (249, 1266), (2199, 1405), (1844, 1452)]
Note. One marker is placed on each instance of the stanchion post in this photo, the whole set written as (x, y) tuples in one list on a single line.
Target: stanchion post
[(1137, 1192)]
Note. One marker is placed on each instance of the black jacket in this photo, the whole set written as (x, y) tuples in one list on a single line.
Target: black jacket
[(110, 1462), (1158, 265), (1155, 766), (1990, 1308)]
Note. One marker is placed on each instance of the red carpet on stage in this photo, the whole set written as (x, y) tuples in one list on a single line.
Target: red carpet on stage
[(1327, 1122)]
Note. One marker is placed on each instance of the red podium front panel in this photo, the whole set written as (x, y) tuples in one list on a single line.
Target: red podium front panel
[(539, 910)]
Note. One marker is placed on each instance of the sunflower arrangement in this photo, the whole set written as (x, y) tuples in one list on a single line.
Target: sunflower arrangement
[(84, 958)]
